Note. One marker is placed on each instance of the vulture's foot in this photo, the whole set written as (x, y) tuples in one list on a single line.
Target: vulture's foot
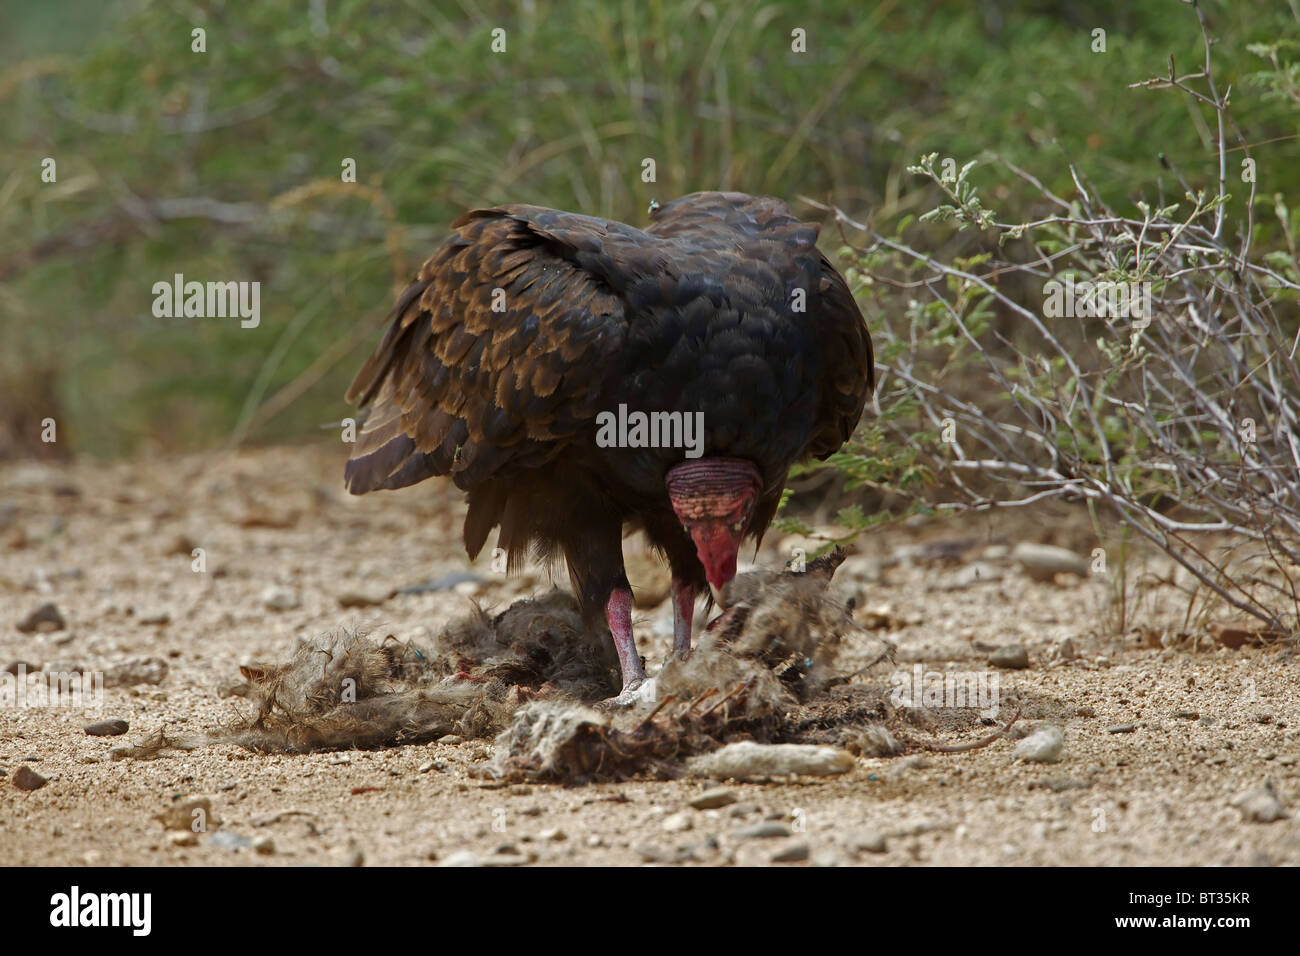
[(640, 691)]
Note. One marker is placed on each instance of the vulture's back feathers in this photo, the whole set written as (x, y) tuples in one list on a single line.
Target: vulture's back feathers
[(529, 321)]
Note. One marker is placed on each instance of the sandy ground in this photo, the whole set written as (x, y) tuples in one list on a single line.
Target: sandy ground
[(1159, 740)]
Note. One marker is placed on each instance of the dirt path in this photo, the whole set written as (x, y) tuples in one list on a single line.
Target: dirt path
[(113, 548)]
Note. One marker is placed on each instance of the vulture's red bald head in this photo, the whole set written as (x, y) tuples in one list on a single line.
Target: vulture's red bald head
[(714, 499)]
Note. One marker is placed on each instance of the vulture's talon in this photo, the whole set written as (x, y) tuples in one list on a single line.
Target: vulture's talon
[(640, 691)]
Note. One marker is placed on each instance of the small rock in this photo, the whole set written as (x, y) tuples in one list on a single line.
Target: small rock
[(1010, 657), (155, 616), (748, 759), (794, 853), (1240, 634), (277, 598), (190, 813), (978, 572), (1065, 650), (1044, 561), (137, 670), (1122, 729), (866, 841), (552, 835), (226, 840), (361, 599), (114, 727), (447, 582), (713, 799), (1059, 784), (450, 740), (656, 854), (677, 823), (1043, 746), (1260, 805), (42, 620), (351, 856), (183, 544), (25, 778), (183, 838), (264, 846), (763, 831)]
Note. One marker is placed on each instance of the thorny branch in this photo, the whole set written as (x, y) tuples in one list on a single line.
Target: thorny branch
[(1183, 419)]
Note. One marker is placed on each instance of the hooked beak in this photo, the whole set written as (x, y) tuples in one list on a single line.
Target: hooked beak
[(716, 544)]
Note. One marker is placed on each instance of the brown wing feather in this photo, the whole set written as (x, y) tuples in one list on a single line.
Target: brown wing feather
[(496, 353)]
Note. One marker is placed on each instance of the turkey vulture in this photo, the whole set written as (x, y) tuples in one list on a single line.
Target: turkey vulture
[(532, 330)]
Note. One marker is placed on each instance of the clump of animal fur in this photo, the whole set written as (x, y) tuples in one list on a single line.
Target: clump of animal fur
[(771, 648), (525, 674), (351, 690), (568, 743), (786, 620)]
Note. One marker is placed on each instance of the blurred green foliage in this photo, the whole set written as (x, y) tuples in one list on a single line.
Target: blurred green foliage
[(437, 122)]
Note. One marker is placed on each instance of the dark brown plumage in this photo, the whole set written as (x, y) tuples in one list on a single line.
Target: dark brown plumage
[(529, 323)]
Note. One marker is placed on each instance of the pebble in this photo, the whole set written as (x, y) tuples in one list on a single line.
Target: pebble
[(677, 823), (25, 778), (1044, 561), (226, 840), (264, 846), (978, 572), (361, 599), (506, 859), (1043, 746), (1122, 729), (352, 856), (114, 727), (763, 831), (182, 814), (656, 854), (137, 670), (42, 620), (276, 598), (1010, 657), (747, 759), (1065, 649), (713, 799), (461, 858), (1260, 805), (866, 841), (794, 853)]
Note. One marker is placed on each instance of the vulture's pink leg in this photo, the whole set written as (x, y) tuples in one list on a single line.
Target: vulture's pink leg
[(683, 612), (618, 612)]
